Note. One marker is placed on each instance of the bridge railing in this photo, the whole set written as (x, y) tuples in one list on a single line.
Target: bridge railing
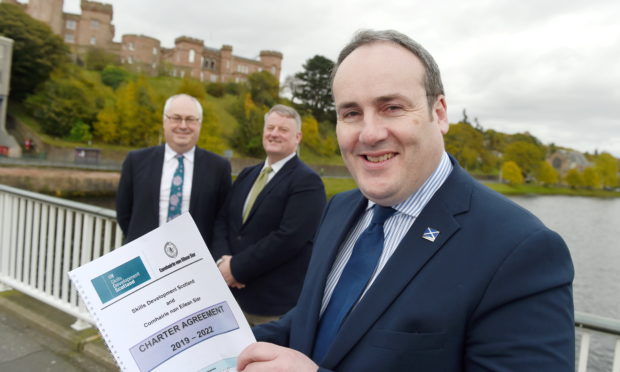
[(43, 237), (595, 326)]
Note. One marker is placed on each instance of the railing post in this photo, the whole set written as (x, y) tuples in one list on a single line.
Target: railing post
[(616, 365), (584, 351)]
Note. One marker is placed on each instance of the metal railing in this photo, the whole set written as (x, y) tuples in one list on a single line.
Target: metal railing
[(43, 237), (592, 325)]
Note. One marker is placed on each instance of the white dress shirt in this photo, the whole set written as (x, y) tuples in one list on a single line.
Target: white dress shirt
[(169, 167)]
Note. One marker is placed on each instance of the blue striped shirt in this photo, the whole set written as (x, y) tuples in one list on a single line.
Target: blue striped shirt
[(394, 228)]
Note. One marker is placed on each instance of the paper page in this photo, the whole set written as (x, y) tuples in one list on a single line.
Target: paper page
[(161, 303)]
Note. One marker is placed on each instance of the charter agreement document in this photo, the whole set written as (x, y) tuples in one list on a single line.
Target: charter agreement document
[(161, 303)]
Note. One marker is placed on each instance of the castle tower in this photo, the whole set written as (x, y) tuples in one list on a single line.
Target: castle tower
[(271, 61), (47, 11)]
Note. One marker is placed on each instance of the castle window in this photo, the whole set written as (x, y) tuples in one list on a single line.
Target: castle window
[(69, 38), (213, 78), (93, 40), (131, 46), (192, 56), (70, 24), (273, 70), (94, 23), (129, 60), (154, 51)]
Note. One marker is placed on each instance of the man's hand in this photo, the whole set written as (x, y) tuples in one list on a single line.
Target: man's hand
[(266, 357), (224, 267)]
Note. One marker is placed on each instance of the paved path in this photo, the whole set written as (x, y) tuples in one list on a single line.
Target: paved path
[(33, 339), (23, 348)]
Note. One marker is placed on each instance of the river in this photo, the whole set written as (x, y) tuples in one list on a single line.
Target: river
[(590, 227)]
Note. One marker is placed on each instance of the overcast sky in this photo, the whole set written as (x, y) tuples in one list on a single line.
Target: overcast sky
[(549, 67)]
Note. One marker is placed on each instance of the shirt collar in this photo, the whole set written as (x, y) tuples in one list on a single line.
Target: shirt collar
[(414, 204), (170, 153), (279, 164)]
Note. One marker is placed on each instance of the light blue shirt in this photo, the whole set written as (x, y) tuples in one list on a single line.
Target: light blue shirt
[(394, 227)]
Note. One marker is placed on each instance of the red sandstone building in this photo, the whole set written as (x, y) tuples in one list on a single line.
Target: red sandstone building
[(189, 56)]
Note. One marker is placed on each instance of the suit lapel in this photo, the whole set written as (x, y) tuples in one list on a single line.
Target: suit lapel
[(409, 258), (155, 171), (282, 174), (326, 247), (196, 179)]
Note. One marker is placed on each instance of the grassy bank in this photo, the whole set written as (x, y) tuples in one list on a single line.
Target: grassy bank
[(336, 185), (551, 190)]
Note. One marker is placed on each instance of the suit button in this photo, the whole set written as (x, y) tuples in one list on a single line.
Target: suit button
[(238, 237)]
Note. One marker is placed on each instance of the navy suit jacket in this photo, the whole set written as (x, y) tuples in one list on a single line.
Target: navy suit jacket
[(137, 199), (493, 292), (271, 250)]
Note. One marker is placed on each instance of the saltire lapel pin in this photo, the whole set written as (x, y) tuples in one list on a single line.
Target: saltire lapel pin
[(430, 234)]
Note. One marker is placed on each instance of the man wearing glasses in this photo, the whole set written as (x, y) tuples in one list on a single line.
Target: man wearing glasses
[(161, 182)]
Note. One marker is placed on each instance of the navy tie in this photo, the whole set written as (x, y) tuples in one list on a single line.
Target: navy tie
[(355, 276)]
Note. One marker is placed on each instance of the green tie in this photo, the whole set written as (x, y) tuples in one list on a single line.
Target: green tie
[(258, 186)]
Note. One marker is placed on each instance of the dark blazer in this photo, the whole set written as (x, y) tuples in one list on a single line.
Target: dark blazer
[(137, 199), (271, 250), (493, 292)]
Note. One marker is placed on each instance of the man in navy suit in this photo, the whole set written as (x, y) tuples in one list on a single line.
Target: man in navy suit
[(143, 200), (263, 236), (466, 280)]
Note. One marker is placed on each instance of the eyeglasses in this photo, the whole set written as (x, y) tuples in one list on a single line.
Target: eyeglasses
[(177, 119)]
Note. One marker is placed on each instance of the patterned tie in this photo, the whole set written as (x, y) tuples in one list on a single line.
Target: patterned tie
[(176, 190), (258, 186), (355, 276)]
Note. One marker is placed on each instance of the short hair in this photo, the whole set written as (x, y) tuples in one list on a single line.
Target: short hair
[(432, 77), (172, 98), (287, 112)]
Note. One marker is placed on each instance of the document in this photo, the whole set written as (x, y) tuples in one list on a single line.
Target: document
[(161, 303)]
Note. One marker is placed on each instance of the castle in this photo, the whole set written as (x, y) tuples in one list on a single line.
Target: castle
[(189, 56)]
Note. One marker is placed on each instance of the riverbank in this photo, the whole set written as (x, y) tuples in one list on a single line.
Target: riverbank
[(528, 189), (70, 183)]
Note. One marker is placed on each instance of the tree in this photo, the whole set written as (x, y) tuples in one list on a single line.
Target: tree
[(312, 138), (193, 88), (133, 117), (247, 137), (511, 173), (37, 51), (99, 58), (573, 178), (68, 99), (607, 166), (546, 174), (466, 144), (527, 155), (312, 88), (264, 88), (114, 76), (591, 179)]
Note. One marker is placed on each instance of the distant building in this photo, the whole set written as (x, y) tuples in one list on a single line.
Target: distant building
[(565, 160), (141, 53)]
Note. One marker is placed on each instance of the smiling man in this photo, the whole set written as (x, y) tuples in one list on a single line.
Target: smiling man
[(421, 268), (263, 236), (159, 183)]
